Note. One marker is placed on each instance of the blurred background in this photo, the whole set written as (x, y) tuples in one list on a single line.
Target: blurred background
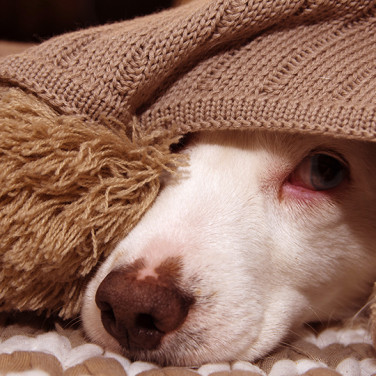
[(37, 20)]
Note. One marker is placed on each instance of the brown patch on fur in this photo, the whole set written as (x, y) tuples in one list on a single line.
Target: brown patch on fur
[(133, 269), (170, 270)]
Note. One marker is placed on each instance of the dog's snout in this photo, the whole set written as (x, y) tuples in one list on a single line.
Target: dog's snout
[(138, 313)]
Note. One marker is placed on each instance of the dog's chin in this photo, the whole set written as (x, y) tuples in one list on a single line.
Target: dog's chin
[(168, 359), (173, 357), (181, 353)]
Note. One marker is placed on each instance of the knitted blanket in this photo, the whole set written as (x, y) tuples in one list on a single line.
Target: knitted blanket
[(330, 351)]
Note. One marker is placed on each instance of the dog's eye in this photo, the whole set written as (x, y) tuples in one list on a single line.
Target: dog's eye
[(180, 145), (319, 172)]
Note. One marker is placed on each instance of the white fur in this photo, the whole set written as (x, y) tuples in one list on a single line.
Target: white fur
[(259, 256)]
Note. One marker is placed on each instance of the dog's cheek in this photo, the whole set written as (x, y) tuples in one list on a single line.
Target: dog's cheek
[(318, 247), (229, 300), (283, 318)]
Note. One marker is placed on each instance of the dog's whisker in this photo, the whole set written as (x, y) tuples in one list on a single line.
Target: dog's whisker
[(74, 322), (362, 310), (316, 316)]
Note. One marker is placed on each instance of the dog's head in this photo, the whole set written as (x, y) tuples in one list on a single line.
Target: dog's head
[(259, 234)]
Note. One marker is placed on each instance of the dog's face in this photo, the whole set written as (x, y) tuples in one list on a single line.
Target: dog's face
[(259, 234)]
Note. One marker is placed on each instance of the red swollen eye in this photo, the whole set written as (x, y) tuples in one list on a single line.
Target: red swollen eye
[(319, 172)]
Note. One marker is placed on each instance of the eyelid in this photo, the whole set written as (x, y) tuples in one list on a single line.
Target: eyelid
[(331, 153)]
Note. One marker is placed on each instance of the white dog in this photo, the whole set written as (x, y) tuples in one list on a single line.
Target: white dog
[(261, 233)]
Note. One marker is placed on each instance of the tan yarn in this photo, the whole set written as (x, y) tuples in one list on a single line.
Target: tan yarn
[(70, 191), (80, 160)]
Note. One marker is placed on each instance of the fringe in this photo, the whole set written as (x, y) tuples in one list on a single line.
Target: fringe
[(70, 190)]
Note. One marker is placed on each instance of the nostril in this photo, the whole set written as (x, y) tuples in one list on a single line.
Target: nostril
[(145, 321), (106, 310), (108, 317)]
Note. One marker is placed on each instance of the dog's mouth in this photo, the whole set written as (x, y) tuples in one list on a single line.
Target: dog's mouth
[(186, 347), (149, 344)]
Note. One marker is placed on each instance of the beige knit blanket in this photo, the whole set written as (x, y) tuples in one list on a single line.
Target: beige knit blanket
[(8, 48)]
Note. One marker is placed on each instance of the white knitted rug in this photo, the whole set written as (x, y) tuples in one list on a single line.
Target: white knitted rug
[(333, 351)]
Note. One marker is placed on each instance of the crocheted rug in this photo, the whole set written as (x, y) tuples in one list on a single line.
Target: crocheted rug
[(26, 349)]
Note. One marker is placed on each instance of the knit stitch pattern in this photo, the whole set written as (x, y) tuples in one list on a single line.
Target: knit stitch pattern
[(291, 64)]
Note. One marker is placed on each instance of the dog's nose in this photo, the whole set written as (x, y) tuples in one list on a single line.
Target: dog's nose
[(138, 313)]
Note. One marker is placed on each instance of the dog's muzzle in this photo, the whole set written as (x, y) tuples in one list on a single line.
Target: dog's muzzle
[(139, 310)]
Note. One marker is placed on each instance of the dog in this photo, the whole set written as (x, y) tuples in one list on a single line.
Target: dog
[(260, 233)]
